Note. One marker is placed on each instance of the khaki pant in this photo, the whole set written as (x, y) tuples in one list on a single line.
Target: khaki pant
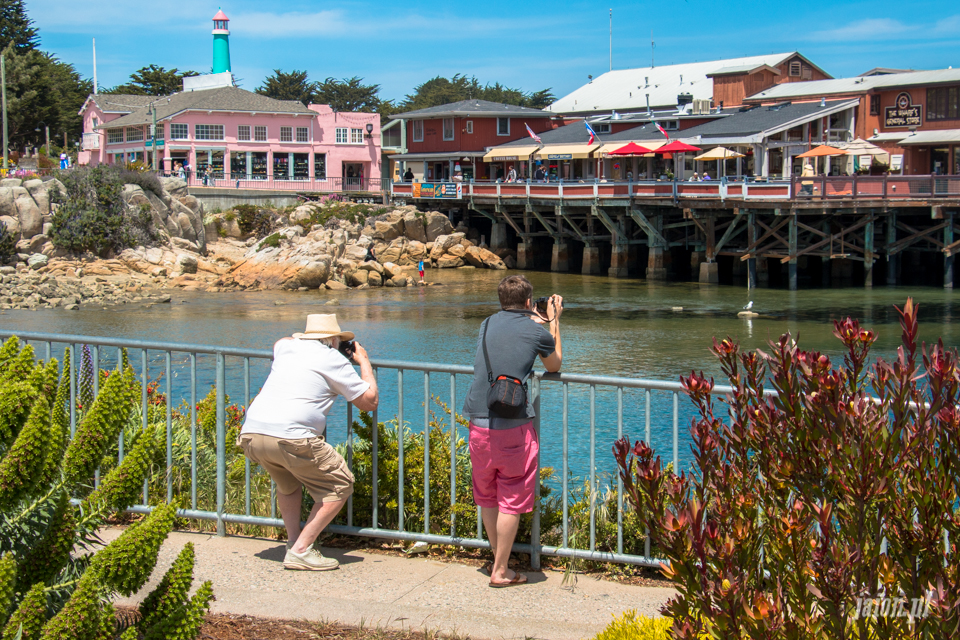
[(310, 462)]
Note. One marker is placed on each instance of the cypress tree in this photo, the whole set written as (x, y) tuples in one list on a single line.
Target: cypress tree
[(15, 27)]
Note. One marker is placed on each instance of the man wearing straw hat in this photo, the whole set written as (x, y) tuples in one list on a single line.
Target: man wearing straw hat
[(285, 425)]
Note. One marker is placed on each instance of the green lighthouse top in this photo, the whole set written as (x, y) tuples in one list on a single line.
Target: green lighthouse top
[(221, 43)]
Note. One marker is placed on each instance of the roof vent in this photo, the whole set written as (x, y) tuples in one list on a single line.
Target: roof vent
[(646, 81), (684, 98), (748, 107), (823, 102), (778, 106)]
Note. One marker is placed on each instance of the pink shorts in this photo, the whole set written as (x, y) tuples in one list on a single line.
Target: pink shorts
[(504, 467)]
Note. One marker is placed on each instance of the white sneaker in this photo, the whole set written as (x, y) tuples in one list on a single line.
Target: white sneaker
[(310, 560)]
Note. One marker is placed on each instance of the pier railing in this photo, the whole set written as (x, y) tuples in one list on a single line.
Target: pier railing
[(586, 405), (332, 184)]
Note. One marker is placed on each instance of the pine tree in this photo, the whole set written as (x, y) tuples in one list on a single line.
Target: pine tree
[(15, 27)]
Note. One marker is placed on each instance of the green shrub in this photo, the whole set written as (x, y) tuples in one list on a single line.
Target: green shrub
[(144, 177), (8, 244), (253, 219), (272, 241), (630, 626)]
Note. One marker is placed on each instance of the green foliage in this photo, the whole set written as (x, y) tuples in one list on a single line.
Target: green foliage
[(630, 626), (122, 486), (16, 398), (16, 27), (272, 241), (142, 176), (171, 593), (153, 81), (59, 425), (125, 564), (100, 426), (253, 219), (332, 209), (28, 619), (438, 91), (8, 580), (43, 560), (80, 617), (22, 467), (185, 621), (8, 243), (351, 95), (93, 216)]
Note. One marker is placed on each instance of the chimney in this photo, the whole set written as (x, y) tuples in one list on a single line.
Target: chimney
[(648, 103), (823, 102)]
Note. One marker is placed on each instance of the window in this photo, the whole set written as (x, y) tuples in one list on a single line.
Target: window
[(671, 125), (179, 132), (469, 126), (259, 134), (342, 134), (943, 103), (603, 128), (418, 130), (503, 126), (243, 132), (356, 136), (795, 68), (303, 134), (95, 122), (286, 134), (114, 136), (159, 131), (448, 128), (320, 166), (875, 105), (208, 131), (134, 134)]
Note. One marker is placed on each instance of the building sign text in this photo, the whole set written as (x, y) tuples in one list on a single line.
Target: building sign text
[(438, 190), (904, 113)]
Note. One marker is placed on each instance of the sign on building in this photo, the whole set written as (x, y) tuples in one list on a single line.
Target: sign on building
[(438, 190), (904, 113)]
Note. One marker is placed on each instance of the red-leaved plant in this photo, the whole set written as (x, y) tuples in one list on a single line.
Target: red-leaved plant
[(822, 510)]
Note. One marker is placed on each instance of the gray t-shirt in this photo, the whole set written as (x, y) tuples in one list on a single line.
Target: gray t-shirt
[(513, 343)]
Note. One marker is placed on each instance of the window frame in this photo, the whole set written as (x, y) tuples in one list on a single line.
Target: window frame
[(417, 124), (321, 159), (180, 126), (209, 132), (344, 132), (286, 134), (356, 135), (138, 134), (112, 135), (240, 136), (795, 64), (875, 108), (498, 127), (469, 126), (453, 133), (306, 134), (257, 130)]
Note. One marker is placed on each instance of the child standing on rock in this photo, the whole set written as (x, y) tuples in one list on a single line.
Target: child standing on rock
[(420, 269)]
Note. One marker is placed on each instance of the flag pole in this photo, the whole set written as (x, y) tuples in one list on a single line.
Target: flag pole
[(611, 39), (3, 99)]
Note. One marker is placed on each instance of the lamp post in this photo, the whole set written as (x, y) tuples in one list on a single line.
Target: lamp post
[(369, 129)]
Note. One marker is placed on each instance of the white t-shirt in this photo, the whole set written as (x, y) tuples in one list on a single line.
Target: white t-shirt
[(305, 379)]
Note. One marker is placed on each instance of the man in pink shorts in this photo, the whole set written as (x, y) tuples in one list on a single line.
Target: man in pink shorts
[(504, 449)]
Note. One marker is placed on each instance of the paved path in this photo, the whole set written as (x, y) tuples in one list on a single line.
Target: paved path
[(373, 589)]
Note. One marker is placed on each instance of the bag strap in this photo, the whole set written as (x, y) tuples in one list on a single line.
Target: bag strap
[(486, 356)]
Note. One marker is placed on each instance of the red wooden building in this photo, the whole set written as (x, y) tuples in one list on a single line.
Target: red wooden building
[(441, 140)]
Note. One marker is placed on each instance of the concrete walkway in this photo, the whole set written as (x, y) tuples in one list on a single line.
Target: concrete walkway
[(374, 589)]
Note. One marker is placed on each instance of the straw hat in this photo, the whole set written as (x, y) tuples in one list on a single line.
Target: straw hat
[(321, 325)]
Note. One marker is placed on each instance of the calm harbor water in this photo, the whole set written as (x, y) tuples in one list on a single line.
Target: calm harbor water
[(609, 327)]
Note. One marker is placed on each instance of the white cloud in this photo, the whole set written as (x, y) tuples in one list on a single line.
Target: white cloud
[(869, 29)]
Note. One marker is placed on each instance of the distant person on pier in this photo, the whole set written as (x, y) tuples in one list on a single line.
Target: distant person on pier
[(285, 430), (512, 175), (503, 441), (539, 175), (408, 175), (806, 185)]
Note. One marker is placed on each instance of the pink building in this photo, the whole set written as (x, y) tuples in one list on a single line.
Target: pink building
[(226, 136)]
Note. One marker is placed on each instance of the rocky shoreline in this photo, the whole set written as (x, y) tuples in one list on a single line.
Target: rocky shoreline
[(214, 253)]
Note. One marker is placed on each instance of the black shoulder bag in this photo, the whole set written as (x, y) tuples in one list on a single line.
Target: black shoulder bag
[(507, 396)]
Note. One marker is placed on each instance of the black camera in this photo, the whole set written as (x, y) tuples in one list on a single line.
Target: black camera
[(348, 348), (541, 304)]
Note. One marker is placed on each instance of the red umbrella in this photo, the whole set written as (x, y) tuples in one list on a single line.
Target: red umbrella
[(632, 149), (676, 147)]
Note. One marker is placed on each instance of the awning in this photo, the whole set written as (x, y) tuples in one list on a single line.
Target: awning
[(510, 153), (889, 136), (566, 151), (437, 155), (933, 137)]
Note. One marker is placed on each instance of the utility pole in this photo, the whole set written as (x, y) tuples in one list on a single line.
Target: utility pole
[(94, 66), (3, 99), (611, 39), (47, 129)]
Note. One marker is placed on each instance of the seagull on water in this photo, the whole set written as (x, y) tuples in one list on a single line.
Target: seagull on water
[(748, 306)]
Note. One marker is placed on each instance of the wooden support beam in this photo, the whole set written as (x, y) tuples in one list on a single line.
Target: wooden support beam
[(836, 236), (653, 235), (510, 221), (485, 214), (916, 236), (729, 233), (614, 229), (573, 226), (753, 245)]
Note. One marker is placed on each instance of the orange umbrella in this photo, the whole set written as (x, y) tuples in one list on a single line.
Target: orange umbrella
[(821, 151)]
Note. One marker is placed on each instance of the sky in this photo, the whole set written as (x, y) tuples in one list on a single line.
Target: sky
[(521, 44)]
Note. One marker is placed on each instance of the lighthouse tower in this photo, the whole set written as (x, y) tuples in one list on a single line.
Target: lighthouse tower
[(221, 43)]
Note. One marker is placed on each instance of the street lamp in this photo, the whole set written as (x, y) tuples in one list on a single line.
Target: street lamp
[(369, 130), (47, 128)]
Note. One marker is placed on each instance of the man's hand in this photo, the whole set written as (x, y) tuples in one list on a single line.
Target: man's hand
[(370, 398), (556, 304)]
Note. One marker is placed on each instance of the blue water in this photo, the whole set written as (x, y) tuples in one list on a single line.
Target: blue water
[(610, 327)]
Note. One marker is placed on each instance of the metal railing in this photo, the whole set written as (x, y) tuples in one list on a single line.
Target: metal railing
[(871, 187), (571, 405), (284, 183)]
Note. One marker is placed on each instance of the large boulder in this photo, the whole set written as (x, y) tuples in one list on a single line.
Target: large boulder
[(391, 270), (449, 262), (437, 225), (413, 227), (491, 260), (31, 218), (471, 256), (174, 186), (8, 205), (456, 250), (39, 191), (413, 253), (355, 252), (314, 274), (442, 243), (390, 228), (12, 223), (37, 261), (393, 251), (357, 277), (374, 279), (11, 182), (371, 265)]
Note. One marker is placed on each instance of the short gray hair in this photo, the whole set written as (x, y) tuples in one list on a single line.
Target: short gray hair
[(333, 343)]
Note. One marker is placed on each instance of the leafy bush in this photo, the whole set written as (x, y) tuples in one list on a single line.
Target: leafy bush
[(8, 244), (272, 241), (93, 216), (840, 489), (140, 174), (252, 219), (332, 208), (51, 584), (630, 626)]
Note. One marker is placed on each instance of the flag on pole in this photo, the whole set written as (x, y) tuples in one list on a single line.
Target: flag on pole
[(532, 134), (662, 130), (593, 134)]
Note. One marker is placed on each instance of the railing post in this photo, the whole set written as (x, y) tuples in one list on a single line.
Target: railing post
[(535, 526), (221, 446)]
